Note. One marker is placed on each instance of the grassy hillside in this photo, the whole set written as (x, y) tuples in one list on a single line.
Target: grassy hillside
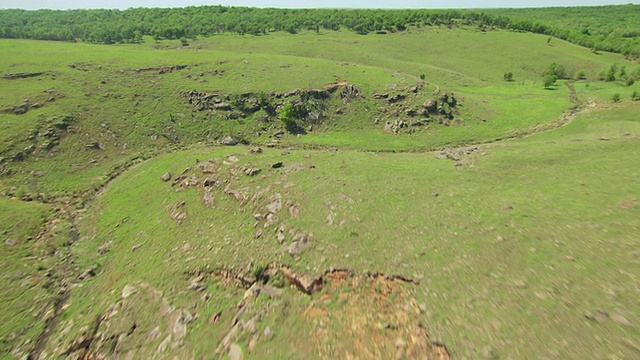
[(500, 222), (516, 246), (124, 109), (611, 28)]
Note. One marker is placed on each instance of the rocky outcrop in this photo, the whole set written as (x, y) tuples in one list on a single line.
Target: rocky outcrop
[(406, 111), (22, 75), (307, 102), (163, 69), (43, 138)]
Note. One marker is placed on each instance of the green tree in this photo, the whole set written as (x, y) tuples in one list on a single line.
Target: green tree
[(557, 70), (508, 76)]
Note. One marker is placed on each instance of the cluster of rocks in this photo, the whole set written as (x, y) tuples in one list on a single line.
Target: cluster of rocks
[(201, 75), (405, 118), (46, 137), (23, 107), (117, 333), (216, 177), (82, 66), (350, 92), (27, 105), (397, 125), (236, 107), (163, 69), (461, 155), (456, 154)]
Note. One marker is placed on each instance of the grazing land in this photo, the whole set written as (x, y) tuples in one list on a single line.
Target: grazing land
[(322, 193)]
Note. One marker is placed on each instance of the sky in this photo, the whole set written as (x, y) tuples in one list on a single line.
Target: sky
[(388, 4)]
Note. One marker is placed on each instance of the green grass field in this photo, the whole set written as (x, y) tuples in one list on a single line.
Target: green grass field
[(517, 219)]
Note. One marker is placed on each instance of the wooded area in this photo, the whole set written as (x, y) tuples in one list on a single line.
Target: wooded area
[(605, 28)]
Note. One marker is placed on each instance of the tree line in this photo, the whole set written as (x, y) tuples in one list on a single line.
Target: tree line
[(608, 28)]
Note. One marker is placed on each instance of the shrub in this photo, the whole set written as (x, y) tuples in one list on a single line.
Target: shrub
[(508, 76), (615, 98), (601, 76), (184, 41), (548, 80), (611, 74), (635, 96), (422, 76), (622, 75), (580, 75), (629, 82), (286, 114)]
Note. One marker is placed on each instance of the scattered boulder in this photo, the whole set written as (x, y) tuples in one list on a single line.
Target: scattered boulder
[(255, 150), (299, 243), (104, 248), (228, 141), (208, 199), (270, 220), (94, 145), (20, 109), (176, 212), (275, 206), (210, 182), (396, 98), (252, 171), (277, 165), (235, 352), (128, 290), (90, 272), (621, 320), (430, 105), (237, 195), (294, 211), (208, 167), (380, 96), (166, 177)]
